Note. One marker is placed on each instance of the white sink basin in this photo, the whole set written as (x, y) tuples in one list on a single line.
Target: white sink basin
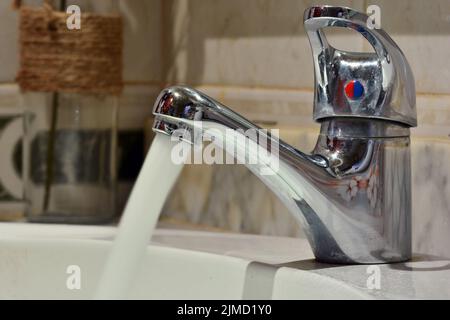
[(34, 260)]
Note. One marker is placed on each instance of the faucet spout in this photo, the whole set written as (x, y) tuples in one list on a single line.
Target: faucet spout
[(351, 194)]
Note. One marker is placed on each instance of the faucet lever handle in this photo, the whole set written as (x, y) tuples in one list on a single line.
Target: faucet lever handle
[(355, 84), (318, 18)]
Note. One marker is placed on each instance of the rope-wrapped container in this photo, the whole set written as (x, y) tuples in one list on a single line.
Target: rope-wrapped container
[(54, 58)]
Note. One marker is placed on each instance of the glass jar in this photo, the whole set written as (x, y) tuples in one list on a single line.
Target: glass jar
[(69, 157)]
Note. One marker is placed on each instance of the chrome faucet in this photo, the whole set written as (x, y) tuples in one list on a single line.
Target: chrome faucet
[(352, 194)]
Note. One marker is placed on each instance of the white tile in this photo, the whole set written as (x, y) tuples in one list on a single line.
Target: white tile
[(431, 196), (142, 40), (9, 99), (219, 43), (422, 31), (433, 114), (9, 59), (247, 43), (136, 104), (286, 107)]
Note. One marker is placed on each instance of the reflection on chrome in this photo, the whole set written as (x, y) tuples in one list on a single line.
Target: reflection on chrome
[(352, 193)]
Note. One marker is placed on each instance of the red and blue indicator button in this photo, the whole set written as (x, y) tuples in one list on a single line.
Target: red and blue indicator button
[(354, 89)]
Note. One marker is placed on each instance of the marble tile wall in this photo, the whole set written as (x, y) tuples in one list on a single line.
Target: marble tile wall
[(263, 43), (258, 43), (431, 195)]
